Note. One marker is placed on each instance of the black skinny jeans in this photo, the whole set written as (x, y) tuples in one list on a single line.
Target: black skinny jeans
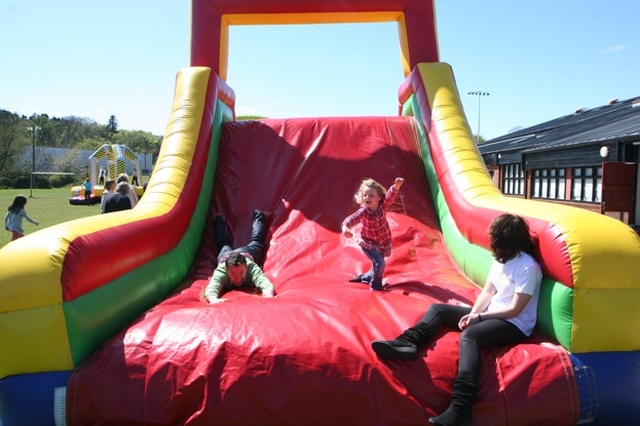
[(486, 333), (255, 248)]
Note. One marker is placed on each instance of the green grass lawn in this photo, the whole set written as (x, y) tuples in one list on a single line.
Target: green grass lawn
[(48, 206)]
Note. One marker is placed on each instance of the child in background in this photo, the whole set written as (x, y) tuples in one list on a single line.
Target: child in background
[(87, 191), (134, 177), (375, 237), (101, 176), (13, 218), (109, 190)]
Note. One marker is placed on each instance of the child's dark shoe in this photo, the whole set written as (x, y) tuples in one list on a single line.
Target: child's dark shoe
[(357, 279), (362, 278), (376, 286)]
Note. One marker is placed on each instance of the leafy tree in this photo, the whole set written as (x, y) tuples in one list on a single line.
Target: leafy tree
[(89, 144), (70, 162), (249, 117), (72, 130), (112, 126), (479, 139), (12, 138), (45, 133), (140, 142)]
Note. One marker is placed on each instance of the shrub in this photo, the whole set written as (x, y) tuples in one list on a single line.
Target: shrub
[(8, 179), (22, 180), (59, 181)]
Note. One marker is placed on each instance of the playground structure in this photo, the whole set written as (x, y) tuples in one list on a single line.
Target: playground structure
[(116, 156), (132, 342)]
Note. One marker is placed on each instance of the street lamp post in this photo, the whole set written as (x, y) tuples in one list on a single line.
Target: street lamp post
[(33, 158), (479, 94)]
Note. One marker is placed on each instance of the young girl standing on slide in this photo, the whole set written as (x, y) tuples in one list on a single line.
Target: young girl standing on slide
[(375, 237)]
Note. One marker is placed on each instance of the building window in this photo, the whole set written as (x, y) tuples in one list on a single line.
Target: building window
[(587, 184), (549, 183), (513, 182)]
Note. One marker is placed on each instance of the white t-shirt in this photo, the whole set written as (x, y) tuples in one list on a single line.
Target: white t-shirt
[(133, 197), (521, 274)]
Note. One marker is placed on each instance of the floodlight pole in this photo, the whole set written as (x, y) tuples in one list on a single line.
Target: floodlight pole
[(479, 94), (33, 158)]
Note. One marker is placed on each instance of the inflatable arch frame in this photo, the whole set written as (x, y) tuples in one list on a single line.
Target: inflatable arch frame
[(116, 155), (211, 21)]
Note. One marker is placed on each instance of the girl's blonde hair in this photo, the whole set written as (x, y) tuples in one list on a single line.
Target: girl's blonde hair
[(369, 184)]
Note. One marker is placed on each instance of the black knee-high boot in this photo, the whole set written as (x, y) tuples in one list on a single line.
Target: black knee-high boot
[(404, 346), (459, 413)]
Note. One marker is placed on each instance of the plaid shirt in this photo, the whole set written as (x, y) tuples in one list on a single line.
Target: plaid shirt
[(375, 234)]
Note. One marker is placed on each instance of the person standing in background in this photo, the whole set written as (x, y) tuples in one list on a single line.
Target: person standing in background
[(133, 197), (102, 174), (118, 201), (87, 191), (109, 191), (135, 180)]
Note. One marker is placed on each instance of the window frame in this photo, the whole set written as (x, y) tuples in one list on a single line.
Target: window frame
[(549, 184), (513, 179), (587, 182)]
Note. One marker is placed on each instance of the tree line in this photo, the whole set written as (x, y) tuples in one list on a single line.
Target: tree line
[(19, 133)]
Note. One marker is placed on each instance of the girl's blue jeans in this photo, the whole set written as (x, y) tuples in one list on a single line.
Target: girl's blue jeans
[(377, 269)]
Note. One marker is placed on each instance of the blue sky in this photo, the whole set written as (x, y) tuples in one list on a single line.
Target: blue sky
[(538, 60)]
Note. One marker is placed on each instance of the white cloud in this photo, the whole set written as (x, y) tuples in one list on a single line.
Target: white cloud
[(616, 48), (245, 111)]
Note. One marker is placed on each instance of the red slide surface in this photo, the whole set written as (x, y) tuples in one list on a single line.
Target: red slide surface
[(305, 356)]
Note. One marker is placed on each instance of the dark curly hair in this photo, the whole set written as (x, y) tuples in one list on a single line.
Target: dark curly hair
[(235, 258), (509, 234)]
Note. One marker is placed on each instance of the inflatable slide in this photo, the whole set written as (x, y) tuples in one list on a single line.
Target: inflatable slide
[(102, 323)]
